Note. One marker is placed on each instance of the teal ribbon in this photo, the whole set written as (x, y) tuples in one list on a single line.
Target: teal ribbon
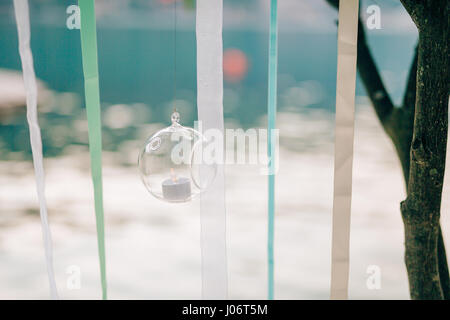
[(271, 113), (92, 93)]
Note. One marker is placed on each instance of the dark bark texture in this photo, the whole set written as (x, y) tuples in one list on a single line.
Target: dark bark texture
[(418, 130), (421, 209)]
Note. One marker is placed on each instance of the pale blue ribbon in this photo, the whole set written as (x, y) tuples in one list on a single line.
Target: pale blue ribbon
[(271, 115)]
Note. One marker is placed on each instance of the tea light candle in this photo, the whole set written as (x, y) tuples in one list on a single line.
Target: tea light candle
[(176, 189)]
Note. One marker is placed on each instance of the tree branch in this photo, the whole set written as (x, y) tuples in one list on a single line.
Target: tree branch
[(334, 3), (371, 78), (424, 255), (414, 8), (423, 162), (410, 5)]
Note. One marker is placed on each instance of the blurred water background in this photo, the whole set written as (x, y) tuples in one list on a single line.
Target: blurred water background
[(153, 248)]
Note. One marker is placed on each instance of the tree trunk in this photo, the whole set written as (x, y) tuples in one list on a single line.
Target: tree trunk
[(443, 267), (421, 209), (427, 87)]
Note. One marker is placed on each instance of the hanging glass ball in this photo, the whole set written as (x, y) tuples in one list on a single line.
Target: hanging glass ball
[(172, 164)]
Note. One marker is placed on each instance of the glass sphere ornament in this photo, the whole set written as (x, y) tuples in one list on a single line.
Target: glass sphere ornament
[(172, 163)]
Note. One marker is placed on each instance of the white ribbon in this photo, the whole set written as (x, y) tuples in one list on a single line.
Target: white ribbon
[(23, 28), (345, 116), (210, 112)]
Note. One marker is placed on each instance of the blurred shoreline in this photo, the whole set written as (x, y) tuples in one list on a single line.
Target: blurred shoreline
[(153, 248)]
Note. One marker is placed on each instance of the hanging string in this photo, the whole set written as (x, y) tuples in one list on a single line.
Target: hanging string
[(23, 28), (175, 57), (271, 115), (92, 93), (343, 159)]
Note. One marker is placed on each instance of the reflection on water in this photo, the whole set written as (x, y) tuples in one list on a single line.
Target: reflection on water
[(136, 80)]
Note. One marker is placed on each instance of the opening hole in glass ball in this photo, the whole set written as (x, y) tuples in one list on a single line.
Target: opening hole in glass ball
[(155, 144)]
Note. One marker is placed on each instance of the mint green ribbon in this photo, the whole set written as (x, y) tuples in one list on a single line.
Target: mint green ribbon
[(271, 115), (92, 93)]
